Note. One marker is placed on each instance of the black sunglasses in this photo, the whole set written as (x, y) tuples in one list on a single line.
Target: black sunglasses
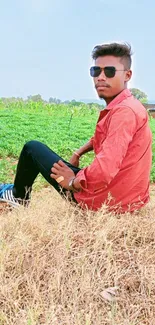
[(108, 71)]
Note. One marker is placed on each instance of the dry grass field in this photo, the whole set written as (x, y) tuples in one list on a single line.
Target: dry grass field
[(57, 263)]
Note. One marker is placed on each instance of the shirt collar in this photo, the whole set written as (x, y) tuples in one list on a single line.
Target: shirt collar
[(119, 98)]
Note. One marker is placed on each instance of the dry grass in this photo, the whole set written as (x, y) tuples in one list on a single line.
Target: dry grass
[(56, 260)]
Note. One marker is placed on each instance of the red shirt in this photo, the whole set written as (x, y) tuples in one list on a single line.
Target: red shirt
[(119, 175)]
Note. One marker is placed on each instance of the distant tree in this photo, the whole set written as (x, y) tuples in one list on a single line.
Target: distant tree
[(35, 98), (140, 95), (73, 102), (66, 102), (95, 105), (11, 99), (54, 100), (144, 101)]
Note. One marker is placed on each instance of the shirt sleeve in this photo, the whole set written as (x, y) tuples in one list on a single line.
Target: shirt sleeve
[(107, 163), (92, 140)]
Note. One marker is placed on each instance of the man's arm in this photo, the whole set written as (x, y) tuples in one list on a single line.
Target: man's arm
[(74, 160), (107, 162), (85, 148)]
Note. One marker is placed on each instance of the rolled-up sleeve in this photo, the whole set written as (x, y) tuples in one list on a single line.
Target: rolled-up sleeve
[(107, 163)]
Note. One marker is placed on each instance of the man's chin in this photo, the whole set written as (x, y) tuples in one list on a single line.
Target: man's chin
[(101, 96)]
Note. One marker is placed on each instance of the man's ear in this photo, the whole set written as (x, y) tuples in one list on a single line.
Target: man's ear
[(128, 75)]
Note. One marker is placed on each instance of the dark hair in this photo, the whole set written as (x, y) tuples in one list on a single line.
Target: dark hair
[(115, 49)]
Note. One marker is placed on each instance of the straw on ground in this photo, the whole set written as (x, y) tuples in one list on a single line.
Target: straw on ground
[(56, 261)]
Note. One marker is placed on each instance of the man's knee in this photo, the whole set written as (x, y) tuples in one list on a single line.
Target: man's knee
[(35, 147), (31, 145)]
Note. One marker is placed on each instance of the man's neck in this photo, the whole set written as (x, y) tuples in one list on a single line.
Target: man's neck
[(109, 100)]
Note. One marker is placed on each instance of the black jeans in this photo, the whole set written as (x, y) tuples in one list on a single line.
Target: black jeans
[(36, 158)]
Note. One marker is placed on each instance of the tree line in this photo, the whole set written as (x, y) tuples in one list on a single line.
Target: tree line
[(140, 95)]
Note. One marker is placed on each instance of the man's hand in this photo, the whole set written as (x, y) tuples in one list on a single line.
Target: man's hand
[(61, 169), (74, 160)]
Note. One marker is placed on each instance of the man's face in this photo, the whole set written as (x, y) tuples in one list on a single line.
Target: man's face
[(110, 87)]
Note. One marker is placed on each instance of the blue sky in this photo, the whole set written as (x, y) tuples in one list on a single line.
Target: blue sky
[(46, 44)]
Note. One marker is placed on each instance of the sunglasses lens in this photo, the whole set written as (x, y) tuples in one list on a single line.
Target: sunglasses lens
[(109, 72), (95, 71)]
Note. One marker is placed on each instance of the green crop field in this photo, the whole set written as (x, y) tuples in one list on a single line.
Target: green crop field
[(63, 128)]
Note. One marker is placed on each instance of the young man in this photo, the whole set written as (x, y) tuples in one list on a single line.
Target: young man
[(119, 174)]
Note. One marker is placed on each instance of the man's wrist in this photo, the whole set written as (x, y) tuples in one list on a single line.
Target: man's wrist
[(77, 154), (72, 186)]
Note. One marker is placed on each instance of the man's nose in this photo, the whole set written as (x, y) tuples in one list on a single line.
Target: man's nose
[(101, 76)]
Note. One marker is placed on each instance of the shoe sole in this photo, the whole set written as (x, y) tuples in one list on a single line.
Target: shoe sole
[(12, 204)]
